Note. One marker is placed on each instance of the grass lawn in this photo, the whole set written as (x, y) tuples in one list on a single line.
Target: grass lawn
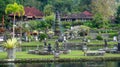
[(101, 42), (75, 54)]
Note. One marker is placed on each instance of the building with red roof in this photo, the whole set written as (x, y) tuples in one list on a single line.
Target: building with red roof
[(83, 16), (30, 13)]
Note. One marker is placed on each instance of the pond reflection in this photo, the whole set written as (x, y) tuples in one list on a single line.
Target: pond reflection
[(69, 47), (75, 64)]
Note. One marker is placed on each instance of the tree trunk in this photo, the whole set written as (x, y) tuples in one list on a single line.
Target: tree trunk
[(14, 26)]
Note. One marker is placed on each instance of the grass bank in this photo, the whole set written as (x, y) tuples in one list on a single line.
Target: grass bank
[(74, 56)]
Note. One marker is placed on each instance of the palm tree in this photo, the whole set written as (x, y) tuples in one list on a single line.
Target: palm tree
[(14, 9)]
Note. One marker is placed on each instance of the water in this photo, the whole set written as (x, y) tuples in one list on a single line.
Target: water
[(1, 49), (72, 64), (69, 47)]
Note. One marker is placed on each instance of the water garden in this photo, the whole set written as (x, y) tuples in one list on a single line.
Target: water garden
[(56, 39)]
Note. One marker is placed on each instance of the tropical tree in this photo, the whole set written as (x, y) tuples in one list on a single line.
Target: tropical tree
[(15, 9), (105, 9), (48, 10), (50, 19), (118, 15)]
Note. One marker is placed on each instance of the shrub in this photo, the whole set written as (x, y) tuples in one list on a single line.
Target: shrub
[(50, 34), (89, 37), (78, 22), (111, 35), (55, 37), (66, 24), (42, 36), (99, 37)]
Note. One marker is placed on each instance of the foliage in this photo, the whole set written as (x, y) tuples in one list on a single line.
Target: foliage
[(34, 24), (42, 36), (44, 25), (118, 15), (55, 37), (50, 19), (89, 23), (26, 27), (33, 3), (97, 21), (103, 7), (10, 43), (37, 25), (77, 22), (48, 10), (88, 37), (99, 37), (3, 6), (102, 10), (50, 32), (111, 35), (66, 24), (84, 29), (7, 35), (15, 9)]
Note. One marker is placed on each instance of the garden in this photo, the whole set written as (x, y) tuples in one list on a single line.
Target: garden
[(58, 35)]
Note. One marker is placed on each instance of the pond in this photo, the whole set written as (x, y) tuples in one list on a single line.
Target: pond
[(71, 64), (69, 47)]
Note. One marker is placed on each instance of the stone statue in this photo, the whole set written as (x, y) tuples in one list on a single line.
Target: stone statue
[(57, 45), (49, 47), (45, 42)]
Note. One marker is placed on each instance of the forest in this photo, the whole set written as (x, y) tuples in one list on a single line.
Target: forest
[(101, 9)]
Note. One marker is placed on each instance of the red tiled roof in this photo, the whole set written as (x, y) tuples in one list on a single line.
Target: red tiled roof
[(87, 13), (84, 14), (32, 11)]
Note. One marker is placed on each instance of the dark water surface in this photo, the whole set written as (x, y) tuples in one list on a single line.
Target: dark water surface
[(70, 47), (72, 64)]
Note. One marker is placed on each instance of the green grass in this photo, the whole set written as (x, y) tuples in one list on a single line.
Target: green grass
[(75, 40), (75, 54), (33, 43), (101, 42)]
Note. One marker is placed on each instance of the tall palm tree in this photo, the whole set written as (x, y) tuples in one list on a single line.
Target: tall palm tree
[(14, 9)]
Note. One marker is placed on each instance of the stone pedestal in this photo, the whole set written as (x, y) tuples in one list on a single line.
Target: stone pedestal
[(11, 53), (56, 55)]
